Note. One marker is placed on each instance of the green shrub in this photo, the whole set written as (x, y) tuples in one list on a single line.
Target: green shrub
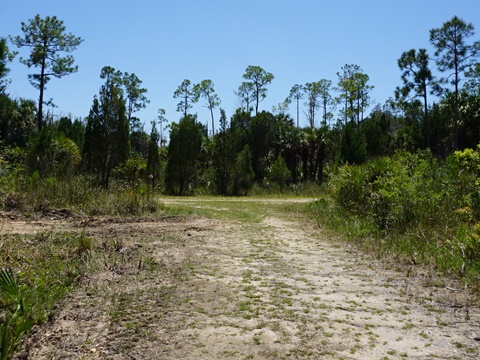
[(412, 207), (52, 154), (396, 192), (463, 171)]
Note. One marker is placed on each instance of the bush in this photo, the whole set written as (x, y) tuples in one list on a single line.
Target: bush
[(52, 154), (396, 192), (463, 170), (413, 207), (12, 162)]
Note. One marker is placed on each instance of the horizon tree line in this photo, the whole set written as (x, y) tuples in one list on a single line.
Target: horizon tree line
[(276, 149)]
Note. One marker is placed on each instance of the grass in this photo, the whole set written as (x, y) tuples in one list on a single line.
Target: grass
[(42, 270), (80, 194), (408, 249), (294, 190), (244, 209)]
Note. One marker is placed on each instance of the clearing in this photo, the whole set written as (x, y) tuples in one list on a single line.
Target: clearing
[(245, 279)]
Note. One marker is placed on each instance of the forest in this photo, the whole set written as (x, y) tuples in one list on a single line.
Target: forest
[(399, 176)]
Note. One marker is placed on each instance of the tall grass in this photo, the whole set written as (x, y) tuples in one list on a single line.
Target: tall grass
[(79, 193)]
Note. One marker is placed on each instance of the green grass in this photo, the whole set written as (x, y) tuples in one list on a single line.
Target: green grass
[(245, 209), (46, 267), (294, 190)]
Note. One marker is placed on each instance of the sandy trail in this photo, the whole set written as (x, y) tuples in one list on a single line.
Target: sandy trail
[(278, 288)]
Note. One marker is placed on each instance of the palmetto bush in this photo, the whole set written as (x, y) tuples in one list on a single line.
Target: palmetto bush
[(15, 320)]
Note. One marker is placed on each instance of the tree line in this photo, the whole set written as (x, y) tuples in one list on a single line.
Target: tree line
[(253, 146)]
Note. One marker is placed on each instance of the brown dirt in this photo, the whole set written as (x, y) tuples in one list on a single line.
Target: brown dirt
[(196, 288)]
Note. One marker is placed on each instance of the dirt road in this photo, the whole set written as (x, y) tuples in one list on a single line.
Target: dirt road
[(247, 280)]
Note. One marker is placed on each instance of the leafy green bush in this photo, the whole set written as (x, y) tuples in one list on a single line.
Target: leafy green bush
[(413, 207), (52, 154), (463, 169), (396, 192)]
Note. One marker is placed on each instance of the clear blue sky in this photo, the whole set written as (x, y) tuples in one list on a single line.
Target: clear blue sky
[(165, 42)]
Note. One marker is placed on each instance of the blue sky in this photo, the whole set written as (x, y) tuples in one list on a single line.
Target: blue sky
[(165, 42)]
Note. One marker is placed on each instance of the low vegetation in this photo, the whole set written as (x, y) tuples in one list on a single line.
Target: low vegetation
[(37, 273), (413, 208)]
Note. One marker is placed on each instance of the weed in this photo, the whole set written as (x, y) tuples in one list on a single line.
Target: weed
[(85, 245)]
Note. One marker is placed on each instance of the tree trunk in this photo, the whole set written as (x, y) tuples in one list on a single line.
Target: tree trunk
[(325, 114), (427, 125), (42, 88), (298, 114), (358, 109), (320, 160), (305, 163), (213, 121), (456, 108)]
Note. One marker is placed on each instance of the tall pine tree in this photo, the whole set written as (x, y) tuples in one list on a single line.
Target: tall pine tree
[(107, 130)]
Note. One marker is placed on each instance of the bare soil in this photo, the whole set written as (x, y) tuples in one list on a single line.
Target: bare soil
[(191, 287)]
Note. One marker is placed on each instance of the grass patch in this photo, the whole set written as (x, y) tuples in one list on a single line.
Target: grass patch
[(80, 194), (249, 209), (42, 269)]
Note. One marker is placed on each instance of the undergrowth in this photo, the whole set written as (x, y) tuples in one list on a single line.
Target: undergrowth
[(79, 194), (411, 208)]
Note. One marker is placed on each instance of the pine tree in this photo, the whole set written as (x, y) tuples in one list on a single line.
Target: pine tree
[(107, 131), (153, 160), (183, 155)]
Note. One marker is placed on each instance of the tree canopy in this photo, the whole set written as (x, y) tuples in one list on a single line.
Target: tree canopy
[(47, 40), (258, 78)]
